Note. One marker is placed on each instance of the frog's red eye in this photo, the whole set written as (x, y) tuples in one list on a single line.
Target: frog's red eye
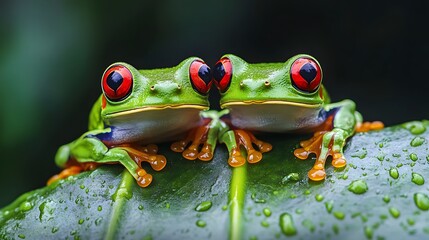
[(201, 76), (306, 75), (222, 74), (117, 83)]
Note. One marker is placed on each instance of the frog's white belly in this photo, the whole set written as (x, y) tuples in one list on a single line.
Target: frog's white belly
[(153, 126), (275, 117)]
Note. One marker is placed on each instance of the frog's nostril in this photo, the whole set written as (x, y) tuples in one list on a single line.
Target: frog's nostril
[(308, 72)]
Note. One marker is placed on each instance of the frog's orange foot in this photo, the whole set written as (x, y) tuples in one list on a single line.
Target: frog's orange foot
[(73, 168), (315, 145), (248, 140), (369, 126), (157, 162), (196, 137)]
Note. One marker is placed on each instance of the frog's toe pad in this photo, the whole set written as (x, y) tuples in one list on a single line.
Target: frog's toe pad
[(157, 162), (338, 160), (144, 178), (190, 154), (301, 153), (178, 146), (317, 174), (254, 156)]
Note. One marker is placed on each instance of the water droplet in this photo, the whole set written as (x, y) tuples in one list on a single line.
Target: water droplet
[(224, 207), (307, 223), (258, 213), (99, 208), (417, 141), (204, 206), (298, 211), (415, 127), (307, 192), (81, 221), (201, 223), (394, 212), (329, 206), (286, 224), (368, 232), (396, 155), (82, 186), (319, 197), (54, 230), (267, 212), (265, 224), (380, 157), (358, 187), (22, 236), (417, 179), (292, 196), (411, 221), (290, 177), (98, 221), (381, 144), (394, 173), (25, 206), (167, 205), (414, 157), (256, 200), (360, 153), (422, 201), (339, 215), (140, 207), (386, 199), (335, 228)]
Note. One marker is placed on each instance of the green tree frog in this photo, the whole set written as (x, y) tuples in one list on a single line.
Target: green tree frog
[(281, 98), (139, 107)]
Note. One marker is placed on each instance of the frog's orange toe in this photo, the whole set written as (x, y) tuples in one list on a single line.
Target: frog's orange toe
[(157, 162), (338, 160), (317, 174), (144, 178), (301, 153), (190, 154), (236, 159), (254, 156), (178, 146)]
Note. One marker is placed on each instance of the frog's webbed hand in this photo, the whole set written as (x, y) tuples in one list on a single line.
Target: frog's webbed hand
[(86, 151), (331, 138), (205, 135)]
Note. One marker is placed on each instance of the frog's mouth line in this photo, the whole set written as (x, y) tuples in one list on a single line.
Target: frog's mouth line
[(156, 108), (275, 102)]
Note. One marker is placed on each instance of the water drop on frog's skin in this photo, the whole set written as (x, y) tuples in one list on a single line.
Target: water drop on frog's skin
[(394, 212), (417, 141), (358, 187), (287, 225), (204, 206), (394, 173), (422, 201), (417, 179), (201, 223)]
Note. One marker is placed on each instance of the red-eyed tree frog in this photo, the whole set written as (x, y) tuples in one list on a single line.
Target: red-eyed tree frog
[(139, 107), (281, 98)]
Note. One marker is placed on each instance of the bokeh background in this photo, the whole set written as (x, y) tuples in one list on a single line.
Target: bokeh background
[(52, 55)]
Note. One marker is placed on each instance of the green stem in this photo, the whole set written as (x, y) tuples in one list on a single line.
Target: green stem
[(122, 194), (236, 201)]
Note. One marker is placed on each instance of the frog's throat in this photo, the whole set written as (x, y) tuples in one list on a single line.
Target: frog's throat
[(272, 102), (155, 108)]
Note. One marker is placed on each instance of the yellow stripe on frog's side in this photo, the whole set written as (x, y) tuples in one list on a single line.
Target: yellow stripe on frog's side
[(155, 108), (272, 102)]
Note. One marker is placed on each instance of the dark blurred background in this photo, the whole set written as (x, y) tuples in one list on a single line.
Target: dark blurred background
[(52, 55)]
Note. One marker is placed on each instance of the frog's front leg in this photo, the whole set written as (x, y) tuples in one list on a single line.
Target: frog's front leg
[(205, 135), (90, 151), (331, 138)]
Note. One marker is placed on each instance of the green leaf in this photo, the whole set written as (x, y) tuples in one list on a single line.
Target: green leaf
[(380, 194)]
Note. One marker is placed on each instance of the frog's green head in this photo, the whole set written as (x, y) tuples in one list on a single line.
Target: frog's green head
[(296, 81), (127, 90)]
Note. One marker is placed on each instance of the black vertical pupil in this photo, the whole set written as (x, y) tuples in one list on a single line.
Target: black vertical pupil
[(205, 74), (219, 71), (308, 72), (114, 80)]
